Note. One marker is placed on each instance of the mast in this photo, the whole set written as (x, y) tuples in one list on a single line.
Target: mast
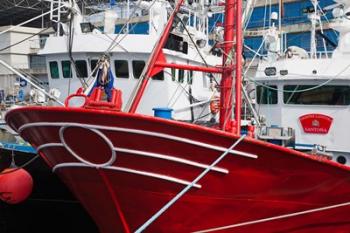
[(239, 52), (314, 17), (157, 62), (156, 55), (280, 15), (233, 34), (233, 18)]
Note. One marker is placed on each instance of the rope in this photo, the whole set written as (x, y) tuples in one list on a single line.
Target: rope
[(275, 218), (25, 39), (188, 187), (21, 167), (197, 49), (114, 42)]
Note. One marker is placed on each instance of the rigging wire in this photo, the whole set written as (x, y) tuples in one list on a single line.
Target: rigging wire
[(181, 91), (326, 18), (20, 167), (196, 47), (25, 39), (114, 43), (70, 47), (249, 17)]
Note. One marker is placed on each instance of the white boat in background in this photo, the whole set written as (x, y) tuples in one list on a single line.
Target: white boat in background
[(302, 97)]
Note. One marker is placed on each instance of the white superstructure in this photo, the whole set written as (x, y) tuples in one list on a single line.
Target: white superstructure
[(128, 53), (310, 94)]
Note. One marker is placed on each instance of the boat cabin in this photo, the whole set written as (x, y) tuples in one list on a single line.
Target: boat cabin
[(128, 53)]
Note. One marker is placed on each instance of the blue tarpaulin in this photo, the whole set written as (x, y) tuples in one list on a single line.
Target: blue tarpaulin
[(107, 86)]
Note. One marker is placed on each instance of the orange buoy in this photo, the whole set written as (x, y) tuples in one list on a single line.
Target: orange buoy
[(15, 185)]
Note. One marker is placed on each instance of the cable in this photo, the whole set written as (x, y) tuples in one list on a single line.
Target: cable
[(303, 90), (22, 166), (196, 47), (21, 41), (70, 47), (112, 45)]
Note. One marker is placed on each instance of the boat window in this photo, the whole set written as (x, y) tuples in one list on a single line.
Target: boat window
[(190, 77), (314, 95), (283, 72), (176, 43), (159, 76), (270, 71), (93, 64), (173, 74), (81, 68), (66, 69), (54, 69), (137, 68), (181, 76), (121, 68), (266, 94)]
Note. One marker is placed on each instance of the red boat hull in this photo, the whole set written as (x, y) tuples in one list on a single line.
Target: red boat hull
[(155, 159)]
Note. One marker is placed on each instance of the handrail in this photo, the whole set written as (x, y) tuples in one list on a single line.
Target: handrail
[(30, 20), (30, 81), (188, 187)]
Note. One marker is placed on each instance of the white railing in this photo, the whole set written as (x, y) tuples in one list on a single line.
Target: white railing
[(39, 88)]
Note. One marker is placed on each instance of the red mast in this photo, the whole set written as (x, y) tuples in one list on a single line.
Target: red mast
[(239, 51), (156, 56), (233, 18), (233, 15)]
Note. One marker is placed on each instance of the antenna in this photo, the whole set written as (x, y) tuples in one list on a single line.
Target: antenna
[(280, 10), (314, 18)]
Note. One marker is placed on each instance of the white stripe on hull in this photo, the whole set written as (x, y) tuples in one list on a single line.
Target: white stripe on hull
[(135, 131)]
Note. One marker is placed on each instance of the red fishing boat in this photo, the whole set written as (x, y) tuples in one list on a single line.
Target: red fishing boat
[(141, 173)]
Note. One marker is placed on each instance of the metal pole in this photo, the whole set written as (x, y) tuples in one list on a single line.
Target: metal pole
[(128, 16), (239, 43), (280, 9), (226, 80), (30, 20), (188, 187), (154, 56), (189, 67)]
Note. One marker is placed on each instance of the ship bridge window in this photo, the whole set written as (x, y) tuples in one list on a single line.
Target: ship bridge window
[(66, 69), (121, 68), (181, 76), (137, 68), (159, 76), (190, 77), (173, 74), (176, 43), (54, 69), (313, 95), (266, 94), (81, 68), (93, 64)]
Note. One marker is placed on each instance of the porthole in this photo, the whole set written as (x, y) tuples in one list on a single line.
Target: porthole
[(283, 72), (270, 71), (341, 159)]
